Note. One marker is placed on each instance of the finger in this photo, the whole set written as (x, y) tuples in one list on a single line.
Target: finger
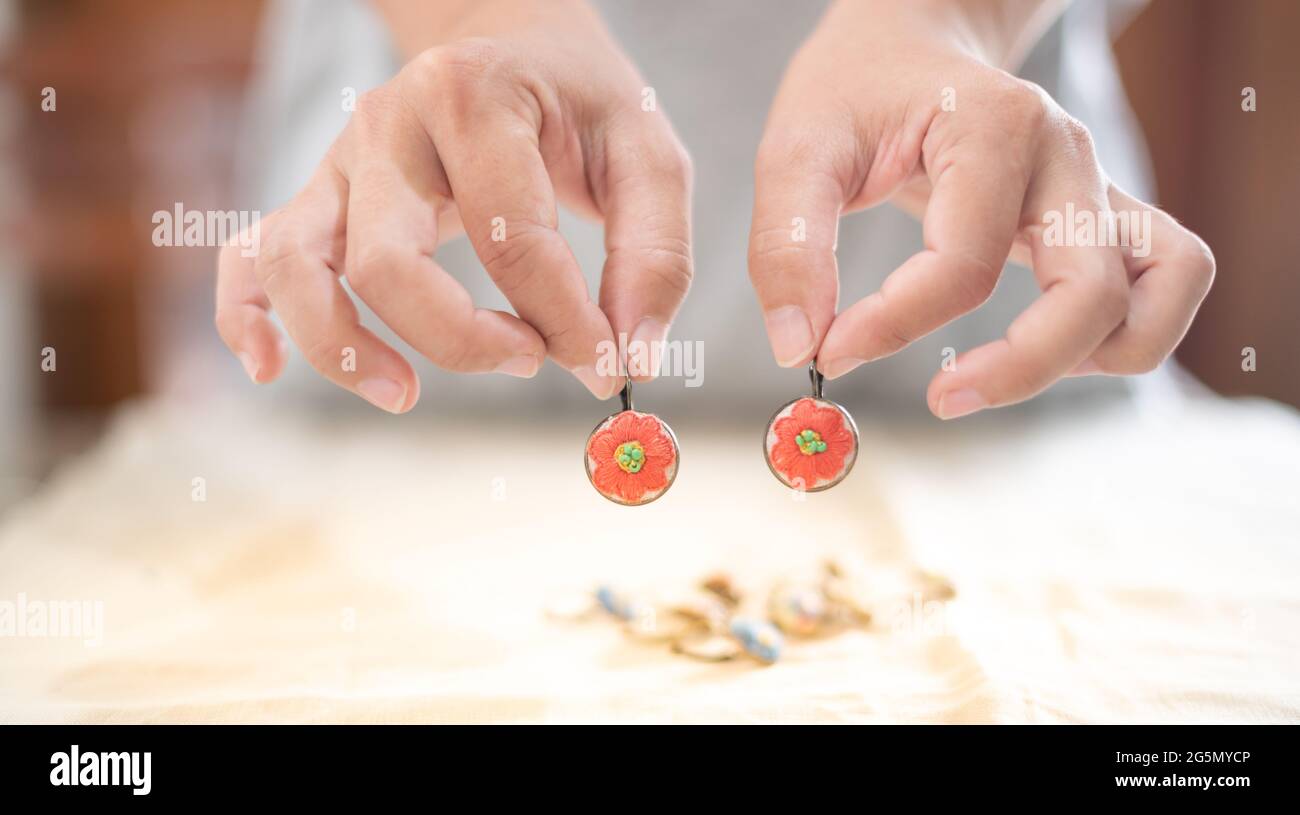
[(647, 241), (1171, 271), (970, 221), (242, 317), (798, 194), (488, 141), (1085, 296), (393, 212), (507, 206), (296, 269)]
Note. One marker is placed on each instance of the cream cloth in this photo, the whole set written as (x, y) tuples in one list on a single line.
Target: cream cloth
[(1119, 567)]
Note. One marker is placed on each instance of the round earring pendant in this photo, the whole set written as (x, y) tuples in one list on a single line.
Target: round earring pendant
[(811, 443), (632, 457)]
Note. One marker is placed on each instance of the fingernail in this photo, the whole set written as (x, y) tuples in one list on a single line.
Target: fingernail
[(839, 367), (790, 332), (602, 387), (250, 365), (646, 349), (383, 393), (961, 402), (1086, 368), (524, 365)]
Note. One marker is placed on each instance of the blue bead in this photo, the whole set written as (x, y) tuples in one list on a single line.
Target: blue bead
[(605, 596), (760, 639)]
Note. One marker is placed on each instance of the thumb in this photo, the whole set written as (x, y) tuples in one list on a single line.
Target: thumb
[(647, 271), (797, 202)]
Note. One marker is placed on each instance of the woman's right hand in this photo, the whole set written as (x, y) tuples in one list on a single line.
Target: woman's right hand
[(524, 105)]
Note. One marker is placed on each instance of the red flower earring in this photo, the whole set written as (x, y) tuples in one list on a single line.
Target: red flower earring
[(631, 457), (811, 443)]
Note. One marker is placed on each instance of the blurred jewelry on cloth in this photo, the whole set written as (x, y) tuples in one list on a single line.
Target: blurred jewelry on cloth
[(715, 621), (811, 443), (759, 638), (815, 610), (746, 635), (631, 457)]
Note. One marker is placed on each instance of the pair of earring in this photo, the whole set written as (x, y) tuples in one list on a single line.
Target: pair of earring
[(810, 444)]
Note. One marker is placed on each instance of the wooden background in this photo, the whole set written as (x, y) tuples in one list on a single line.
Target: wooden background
[(1231, 176)]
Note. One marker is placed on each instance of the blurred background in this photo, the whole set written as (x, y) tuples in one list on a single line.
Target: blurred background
[(1122, 549), (176, 102)]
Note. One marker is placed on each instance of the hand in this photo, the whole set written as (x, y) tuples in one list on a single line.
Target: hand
[(525, 104), (860, 118)]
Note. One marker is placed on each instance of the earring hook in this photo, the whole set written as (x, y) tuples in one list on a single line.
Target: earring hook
[(817, 379)]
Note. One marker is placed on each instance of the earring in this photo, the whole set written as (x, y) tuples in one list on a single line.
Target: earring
[(811, 443), (631, 457)]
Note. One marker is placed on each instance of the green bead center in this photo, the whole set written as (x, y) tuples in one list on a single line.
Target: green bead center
[(630, 457), (810, 442)]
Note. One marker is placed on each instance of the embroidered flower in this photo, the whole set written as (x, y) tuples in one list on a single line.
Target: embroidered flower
[(810, 444), (631, 458)]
